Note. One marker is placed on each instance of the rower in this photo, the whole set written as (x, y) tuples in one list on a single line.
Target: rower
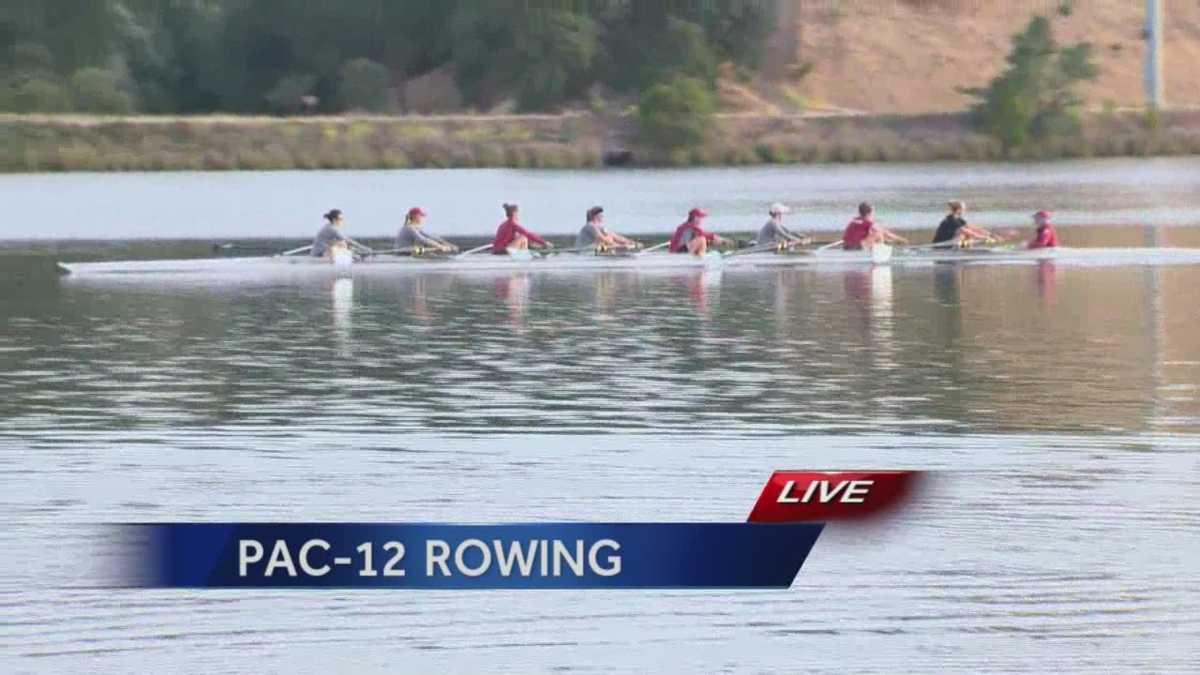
[(1045, 236), (510, 236), (864, 232), (775, 233), (690, 237), (411, 236), (954, 230), (330, 238), (594, 235)]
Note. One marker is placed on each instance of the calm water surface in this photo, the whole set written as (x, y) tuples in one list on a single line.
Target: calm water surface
[(1060, 406)]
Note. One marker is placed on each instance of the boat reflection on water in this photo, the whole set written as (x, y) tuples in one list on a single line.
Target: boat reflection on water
[(342, 294), (605, 291), (514, 290), (1047, 281), (704, 286), (869, 291)]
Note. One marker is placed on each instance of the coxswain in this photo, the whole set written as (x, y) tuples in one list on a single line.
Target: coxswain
[(511, 236), (954, 230), (864, 232), (412, 236), (775, 233), (1045, 236), (690, 237), (595, 235)]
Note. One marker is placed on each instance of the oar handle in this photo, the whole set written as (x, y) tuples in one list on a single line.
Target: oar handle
[(830, 245)]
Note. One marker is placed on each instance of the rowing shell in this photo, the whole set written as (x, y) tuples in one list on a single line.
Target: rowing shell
[(582, 262), (387, 263)]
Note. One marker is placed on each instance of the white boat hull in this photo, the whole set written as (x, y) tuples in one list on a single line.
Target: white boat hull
[(573, 263), (392, 264)]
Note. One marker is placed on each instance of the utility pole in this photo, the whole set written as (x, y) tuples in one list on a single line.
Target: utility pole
[(1154, 54)]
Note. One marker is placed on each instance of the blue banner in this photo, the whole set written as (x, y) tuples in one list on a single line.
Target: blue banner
[(436, 556)]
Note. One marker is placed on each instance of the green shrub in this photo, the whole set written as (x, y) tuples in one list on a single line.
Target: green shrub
[(99, 91), (676, 114), (365, 85), (394, 159), (741, 153), (1034, 98), (35, 94), (287, 96)]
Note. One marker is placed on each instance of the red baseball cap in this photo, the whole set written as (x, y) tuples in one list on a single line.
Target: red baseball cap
[(697, 213), (416, 211)]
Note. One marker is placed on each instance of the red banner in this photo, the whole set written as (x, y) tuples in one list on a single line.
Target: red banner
[(820, 496)]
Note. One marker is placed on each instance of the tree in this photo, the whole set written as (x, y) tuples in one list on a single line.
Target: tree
[(99, 91), (78, 34), (646, 42), (287, 96), (34, 94), (557, 52), (365, 85), (541, 56), (1035, 96), (677, 113)]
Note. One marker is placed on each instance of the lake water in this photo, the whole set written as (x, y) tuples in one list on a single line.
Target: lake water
[(1059, 406)]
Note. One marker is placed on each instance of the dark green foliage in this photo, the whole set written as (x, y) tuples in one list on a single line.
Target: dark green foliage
[(364, 85), (34, 94), (99, 91), (248, 56), (1034, 98), (676, 114), (540, 57), (287, 96)]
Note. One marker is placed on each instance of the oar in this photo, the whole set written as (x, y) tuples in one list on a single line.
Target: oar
[(653, 248), (577, 249), (940, 244), (239, 247), (260, 249), (391, 251), (830, 245), (753, 249), (475, 250), (363, 249), (294, 251)]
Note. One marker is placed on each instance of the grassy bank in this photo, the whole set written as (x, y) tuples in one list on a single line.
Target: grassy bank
[(578, 140)]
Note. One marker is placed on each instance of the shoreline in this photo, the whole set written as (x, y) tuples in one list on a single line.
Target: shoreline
[(577, 140)]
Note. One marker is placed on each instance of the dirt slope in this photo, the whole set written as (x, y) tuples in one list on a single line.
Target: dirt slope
[(911, 55)]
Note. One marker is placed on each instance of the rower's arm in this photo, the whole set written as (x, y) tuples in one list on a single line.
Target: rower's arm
[(977, 232), (531, 236), (888, 235), (426, 239), (361, 247), (793, 235)]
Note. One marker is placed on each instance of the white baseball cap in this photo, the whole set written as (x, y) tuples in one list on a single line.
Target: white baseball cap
[(778, 208)]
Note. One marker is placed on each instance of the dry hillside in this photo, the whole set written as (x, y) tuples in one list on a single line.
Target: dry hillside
[(911, 55)]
